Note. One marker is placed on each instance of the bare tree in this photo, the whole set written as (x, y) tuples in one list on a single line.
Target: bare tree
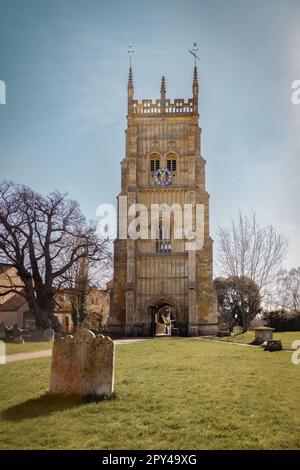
[(42, 238), (238, 301), (246, 249), (79, 301), (288, 289), (79, 280)]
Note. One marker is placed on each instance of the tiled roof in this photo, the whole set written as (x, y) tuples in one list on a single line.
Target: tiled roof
[(13, 303), (4, 267)]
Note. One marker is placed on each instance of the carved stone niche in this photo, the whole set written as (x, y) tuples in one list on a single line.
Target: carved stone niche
[(191, 137), (190, 160), (131, 171), (131, 198), (171, 144), (155, 143), (131, 134)]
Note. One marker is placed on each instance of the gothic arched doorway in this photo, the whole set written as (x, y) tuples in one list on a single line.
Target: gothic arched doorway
[(164, 317)]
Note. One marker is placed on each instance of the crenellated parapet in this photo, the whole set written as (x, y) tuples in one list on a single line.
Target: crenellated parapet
[(163, 105), (166, 106)]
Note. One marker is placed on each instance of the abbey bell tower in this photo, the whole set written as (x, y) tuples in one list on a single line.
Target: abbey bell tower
[(159, 286)]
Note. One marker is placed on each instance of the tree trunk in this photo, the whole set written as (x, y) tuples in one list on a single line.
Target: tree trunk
[(42, 308)]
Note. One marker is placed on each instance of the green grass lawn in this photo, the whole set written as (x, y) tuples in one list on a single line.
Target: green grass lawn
[(27, 347), (287, 338), (170, 393)]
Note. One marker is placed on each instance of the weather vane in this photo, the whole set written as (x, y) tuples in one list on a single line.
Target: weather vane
[(130, 51), (194, 52)]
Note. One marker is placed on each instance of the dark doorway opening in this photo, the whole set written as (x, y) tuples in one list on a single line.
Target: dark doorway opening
[(163, 319)]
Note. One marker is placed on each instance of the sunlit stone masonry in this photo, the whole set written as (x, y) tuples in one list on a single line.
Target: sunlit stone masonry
[(83, 365), (159, 286)]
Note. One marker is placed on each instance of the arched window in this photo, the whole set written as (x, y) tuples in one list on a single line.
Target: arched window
[(171, 162), (154, 163), (163, 242)]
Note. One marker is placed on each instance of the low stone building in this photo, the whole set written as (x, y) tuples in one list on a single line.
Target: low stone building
[(12, 305), (97, 306), (14, 308)]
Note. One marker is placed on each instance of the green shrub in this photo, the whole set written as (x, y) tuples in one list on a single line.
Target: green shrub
[(282, 320)]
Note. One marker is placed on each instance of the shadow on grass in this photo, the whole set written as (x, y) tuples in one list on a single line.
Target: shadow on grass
[(44, 405)]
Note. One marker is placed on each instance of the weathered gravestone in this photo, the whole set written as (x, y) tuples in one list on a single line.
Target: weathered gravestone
[(262, 334), (16, 331), (17, 334), (83, 365), (49, 334)]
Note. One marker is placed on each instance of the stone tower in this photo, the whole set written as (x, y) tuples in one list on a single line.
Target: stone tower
[(163, 165)]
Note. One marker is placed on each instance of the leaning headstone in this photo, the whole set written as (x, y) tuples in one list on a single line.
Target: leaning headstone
[(82, 365), (48, 334)]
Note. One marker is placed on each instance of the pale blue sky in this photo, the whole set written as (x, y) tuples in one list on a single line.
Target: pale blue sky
[(65, 65)]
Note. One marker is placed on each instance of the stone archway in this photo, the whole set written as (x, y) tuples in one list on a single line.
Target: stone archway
[(165, 314)]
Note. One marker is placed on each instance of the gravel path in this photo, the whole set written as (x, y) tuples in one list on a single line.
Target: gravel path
[(48, 352)]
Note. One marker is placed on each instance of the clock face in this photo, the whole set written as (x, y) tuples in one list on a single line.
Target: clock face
[(163, 177)]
